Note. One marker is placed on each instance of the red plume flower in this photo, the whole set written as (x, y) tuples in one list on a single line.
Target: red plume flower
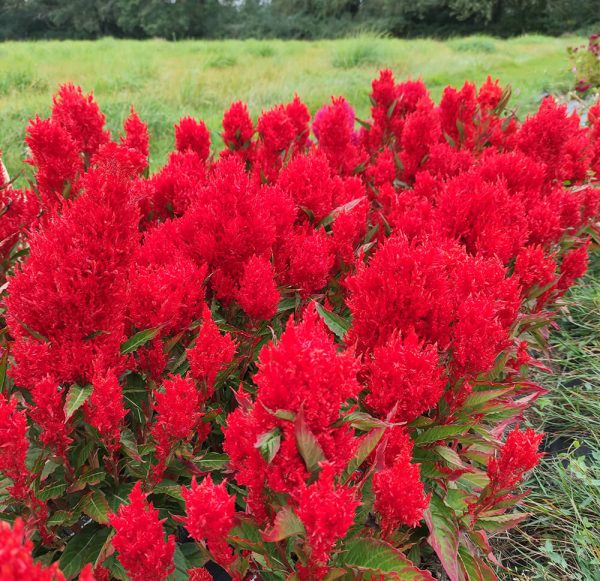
[(210, 516), (13, 447), (140, 539)]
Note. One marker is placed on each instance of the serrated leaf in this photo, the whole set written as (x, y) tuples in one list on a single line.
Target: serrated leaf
[(363, 421), (139, 339), (83, 548), (443, 535), (336, 324), (76, 397), (62, 518), (478, 398), (339, 210), (367, 444), (129, 445), (93, 476), (169, 488), (380, 557), (286, 524), (211, 461), (500, 523), (96, 507), (308, 445), (268, 444), (436, 433), (474, 568), (53, 490)]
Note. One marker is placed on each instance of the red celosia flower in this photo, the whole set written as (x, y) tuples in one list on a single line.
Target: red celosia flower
[(534, 268), (399, 494), (105, 409), (48, 412), (13, 447), (573, 266), (193, 135), (557, 140), (333, 126), (140, 539), (87, 574), (518, 455), (405, 375), (307, 179), (421, 131), (200, 574), (80, 115), (210, 511), (258, 294), (178, 413), (305, 259), (16, 560), (457, 111), (66, 304), (211, 352), (299, 115), (489, 94), (238, 128), (136, 134), (54, 154), (165, 293), (327, 512), (303, 374)]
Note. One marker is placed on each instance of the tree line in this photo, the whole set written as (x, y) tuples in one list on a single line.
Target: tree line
[(300, 19)]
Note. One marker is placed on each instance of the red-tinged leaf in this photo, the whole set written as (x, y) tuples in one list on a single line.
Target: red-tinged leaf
[(379, 557), (436, 433), (336, 324), (500, 523), (443, 535), (96, 507), (474, 568), (287, 524), (477, 399), (76, 397), (268, 444), (366, 446), (308, 445), (139, 339)]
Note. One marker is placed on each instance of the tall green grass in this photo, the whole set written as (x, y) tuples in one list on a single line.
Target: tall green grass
[(166, 80)]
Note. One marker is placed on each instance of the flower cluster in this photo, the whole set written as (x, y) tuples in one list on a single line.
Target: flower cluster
[(298, 353)]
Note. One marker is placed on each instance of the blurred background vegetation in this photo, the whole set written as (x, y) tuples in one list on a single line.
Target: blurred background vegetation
[(290, 19)]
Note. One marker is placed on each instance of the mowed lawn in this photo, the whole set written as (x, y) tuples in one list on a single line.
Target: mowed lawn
[(166, 80)]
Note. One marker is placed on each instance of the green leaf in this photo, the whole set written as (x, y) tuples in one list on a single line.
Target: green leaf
[(307, 443), (96, 507), (83, 548), (76, 397), (129, 445), (334, 322), (286, 524), (366, 446), (339, 210), (3, 367), (436, 433), (443, 535), (139, 339), (376, 556), (62, 518), (93, 476), (478, 398), (500, 523), (211, 461), (54, 490), (268, 444), (474, 568)]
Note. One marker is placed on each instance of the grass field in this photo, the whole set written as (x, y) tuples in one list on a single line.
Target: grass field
[(166, 80)]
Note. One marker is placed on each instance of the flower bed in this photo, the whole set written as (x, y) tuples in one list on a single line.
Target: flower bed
[(310, 350)]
